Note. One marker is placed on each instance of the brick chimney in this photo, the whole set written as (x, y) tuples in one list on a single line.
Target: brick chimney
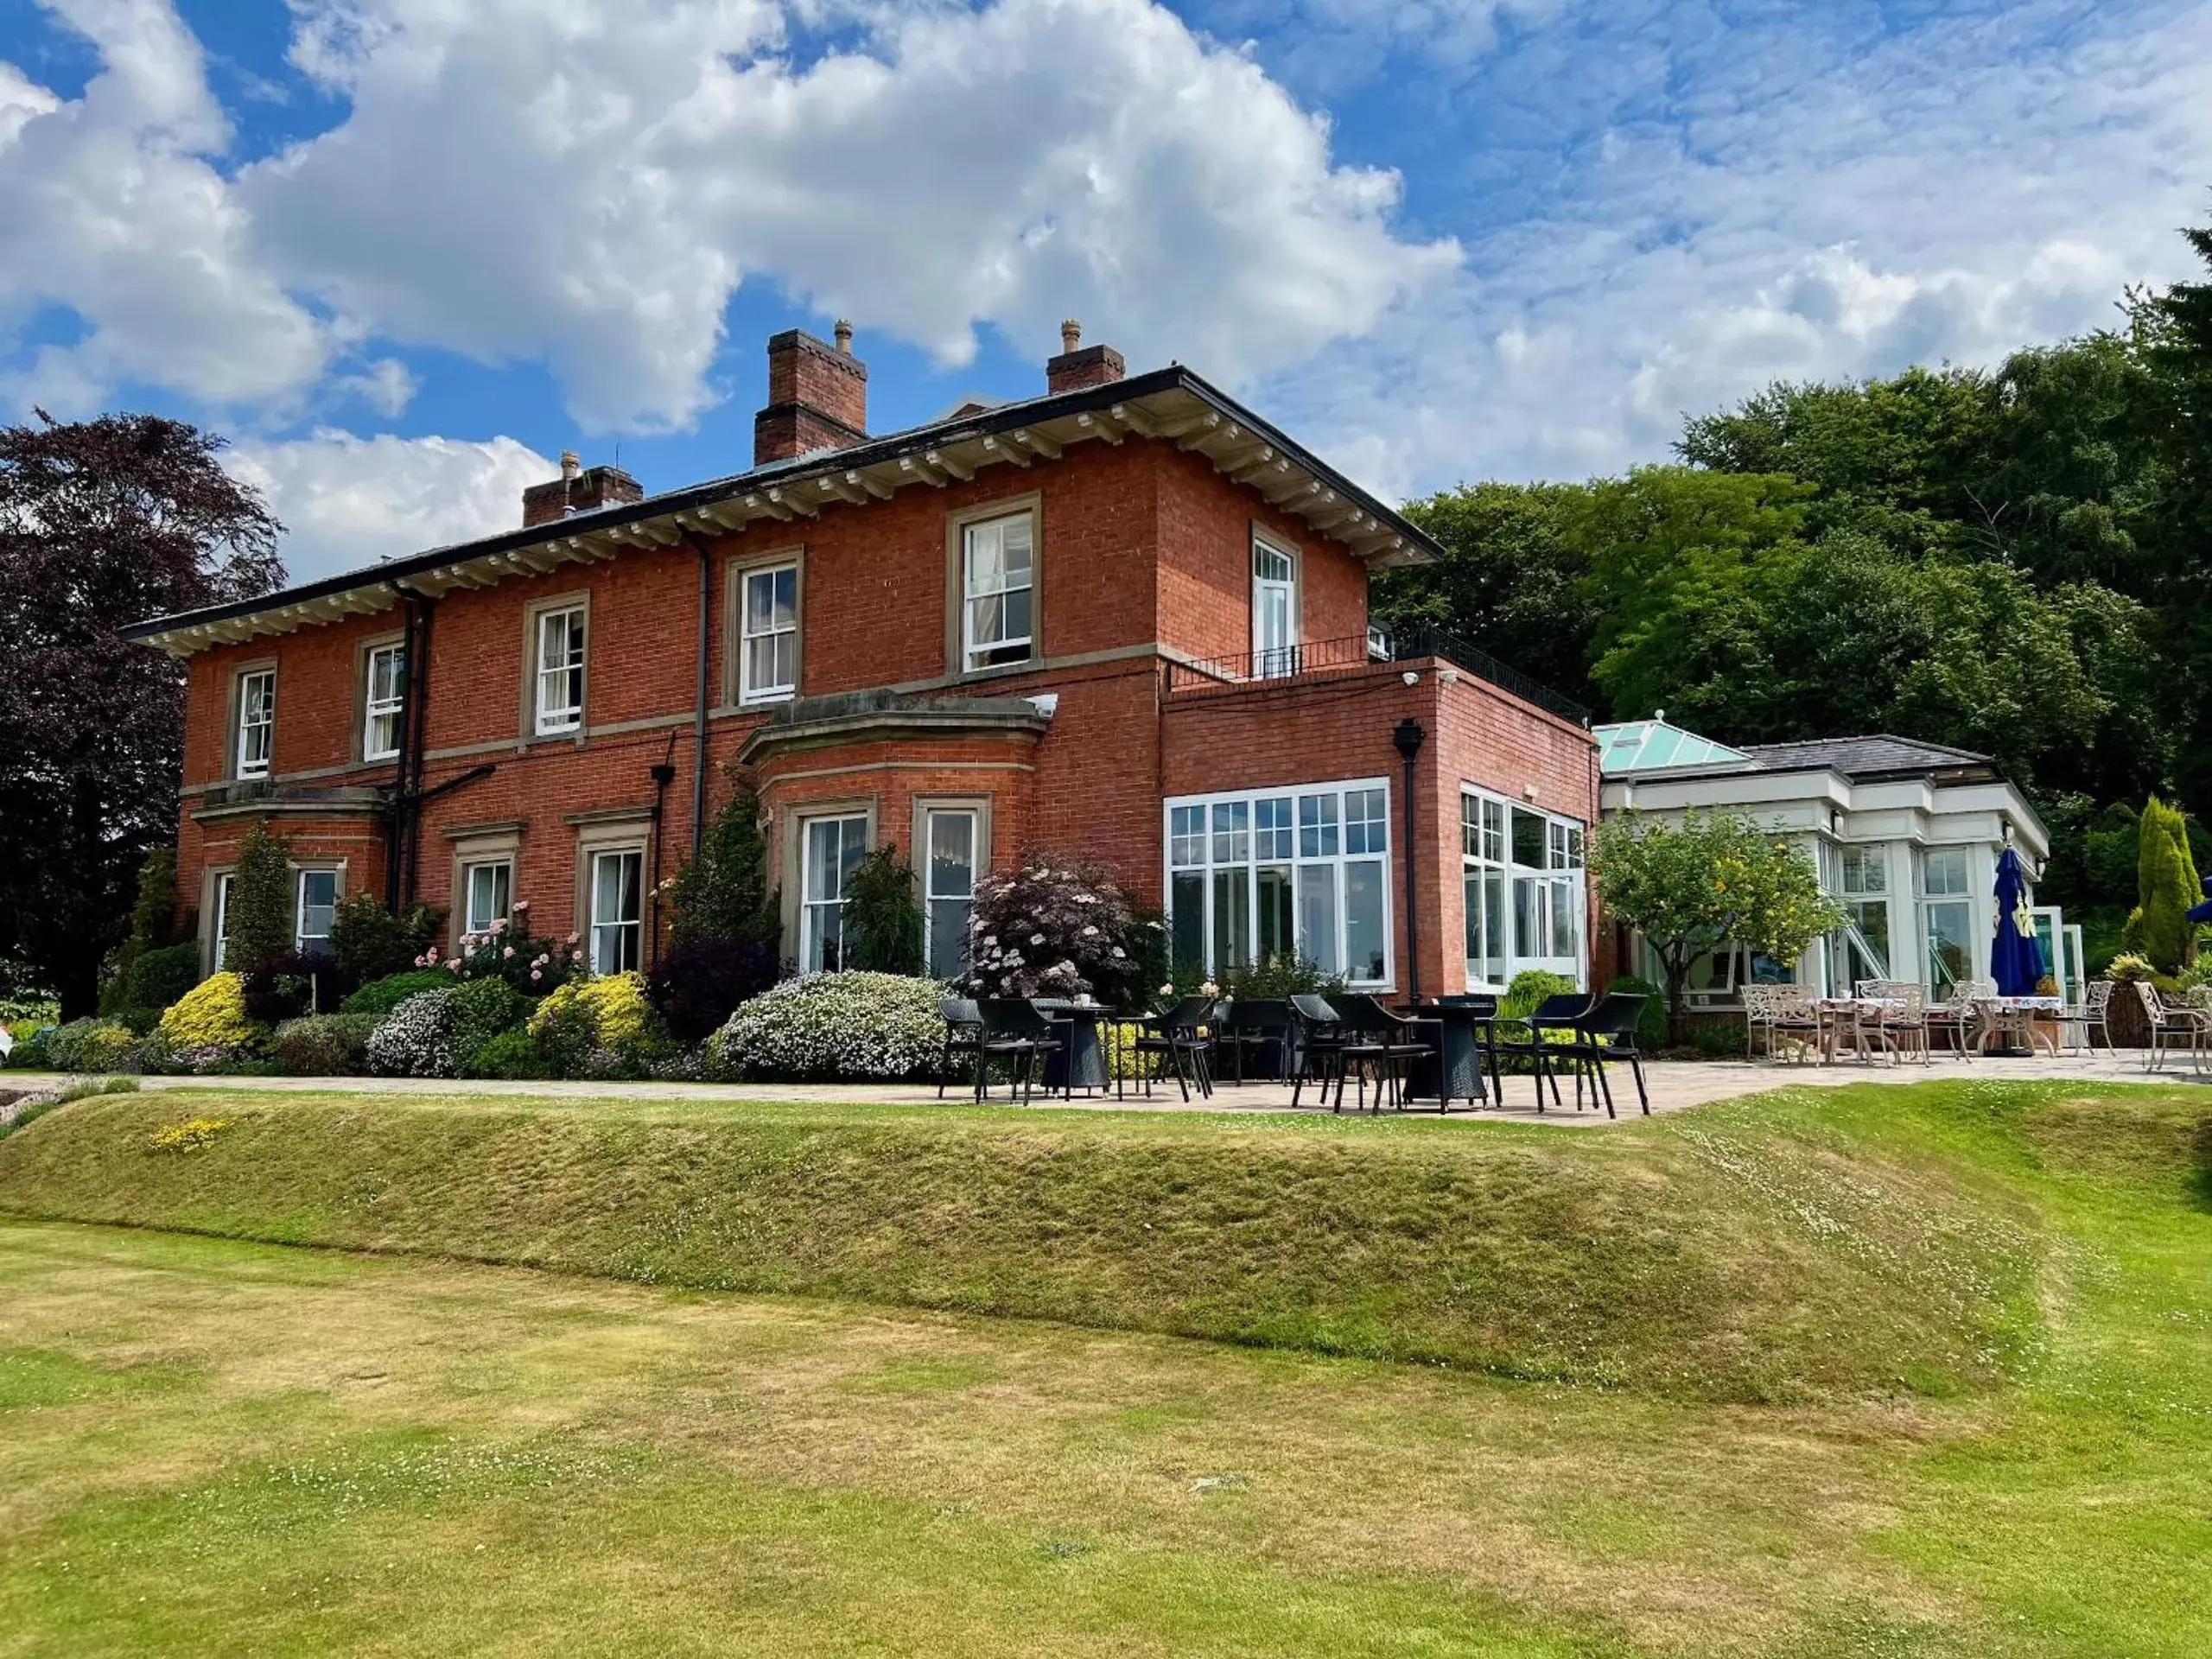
[(579, 489), (817, 396), (1076, 367)]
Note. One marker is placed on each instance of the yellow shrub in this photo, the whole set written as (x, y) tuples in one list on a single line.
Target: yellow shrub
[(610, 1008), (188, 1136), (210, 1015)]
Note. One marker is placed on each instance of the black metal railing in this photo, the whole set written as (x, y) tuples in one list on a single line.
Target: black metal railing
[(1323, 658)]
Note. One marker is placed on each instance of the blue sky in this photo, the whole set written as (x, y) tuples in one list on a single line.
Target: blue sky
[(404, 252)]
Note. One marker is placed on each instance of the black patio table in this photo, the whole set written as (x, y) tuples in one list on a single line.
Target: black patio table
[(1465, 1035), (1081, 1063)]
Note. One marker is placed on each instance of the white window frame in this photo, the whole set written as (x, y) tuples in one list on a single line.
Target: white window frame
[(554, 719), (257, 720), (781, 690), (391, 707), (932, 899), (222, 909), (1557, 888), (1229, 843), (1273, 598), (976, 654), (816, 913), (471, 922), (300, 937), (624, 934)]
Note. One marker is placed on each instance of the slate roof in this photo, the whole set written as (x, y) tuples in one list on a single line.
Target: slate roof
[(1652, 746)]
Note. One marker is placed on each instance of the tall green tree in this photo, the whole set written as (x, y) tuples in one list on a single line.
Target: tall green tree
[(258, 922), (724, 892), (2166, 886), (102, 522)]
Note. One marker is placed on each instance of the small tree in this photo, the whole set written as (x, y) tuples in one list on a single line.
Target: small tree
[(370, 943), (724, 893), (1717, 880), (257, 925), (883, 925), (1052, 927), (2165, 887)]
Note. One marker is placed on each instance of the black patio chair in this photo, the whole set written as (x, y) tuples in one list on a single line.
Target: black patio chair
[(1180, 1037), (1396, 1037), (1317, 1040), (1608, 1033), (963, 1035), (1557, 1015), (1261, 1023), (1019, 1033)]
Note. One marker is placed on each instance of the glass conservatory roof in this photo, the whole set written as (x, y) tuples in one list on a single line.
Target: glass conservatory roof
[(1649, 745)]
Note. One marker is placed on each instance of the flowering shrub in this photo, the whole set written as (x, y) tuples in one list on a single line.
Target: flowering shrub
[(323, 1045), (1049, 929), (833, 1028), (208, 1025), (606, 1013), (380, 996), (510, 952), (189, 1135), (91, 1045), (416, 1039)]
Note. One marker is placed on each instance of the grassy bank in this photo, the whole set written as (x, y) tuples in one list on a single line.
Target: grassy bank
[(1794, 1247), (220, 1446)]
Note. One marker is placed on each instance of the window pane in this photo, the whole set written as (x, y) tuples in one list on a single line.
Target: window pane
[(1317, 916), (1494, 922), (1232, 840), (952, 855), (1186, 835), (948, 936), (1365, 959), (1187, 920), (1528, 929), (1232, 920), (489, 886), (1564, 930), (1278, 927), (1950, 945), (1471, 898), (1527, 839), (824, 837), (1947, 872), (1364, 826), (1271, 832), (1270, 563), (1494, 831), (318, 902), (1317, 826), (222, 918)]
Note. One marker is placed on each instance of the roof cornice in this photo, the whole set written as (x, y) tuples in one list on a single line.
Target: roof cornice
[(1171, 405)]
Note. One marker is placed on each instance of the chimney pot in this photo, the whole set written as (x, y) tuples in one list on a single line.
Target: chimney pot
[(844, 332), (571, 464), (1071, 335)]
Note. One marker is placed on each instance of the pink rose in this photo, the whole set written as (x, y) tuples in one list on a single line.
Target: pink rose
[(509, 951), (537, 973)]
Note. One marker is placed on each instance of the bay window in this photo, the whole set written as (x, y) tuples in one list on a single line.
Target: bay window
[(830, 852), (318, 904), (951, 835), (1281, 874)]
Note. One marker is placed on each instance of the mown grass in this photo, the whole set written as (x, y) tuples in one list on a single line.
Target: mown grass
[(1771, 1266), (209, 1446)]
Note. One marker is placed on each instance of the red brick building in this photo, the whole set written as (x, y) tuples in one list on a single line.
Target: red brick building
[(1124, 620)]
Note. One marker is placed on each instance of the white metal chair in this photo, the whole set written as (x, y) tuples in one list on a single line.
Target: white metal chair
[(2088, 1016), (2168, 1021)]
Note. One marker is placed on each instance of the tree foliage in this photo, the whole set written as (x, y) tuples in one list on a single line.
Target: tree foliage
[(257, 923), (102, 522), (882, 924), (724, 892), (1716, 880), (2166, 886)]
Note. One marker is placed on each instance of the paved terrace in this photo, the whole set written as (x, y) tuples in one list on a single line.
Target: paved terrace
[(1676, 1085)]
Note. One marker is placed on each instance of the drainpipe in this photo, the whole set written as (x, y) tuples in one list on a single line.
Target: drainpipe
[(1407, 739), (699, 709), (403, 825), (662, 776)]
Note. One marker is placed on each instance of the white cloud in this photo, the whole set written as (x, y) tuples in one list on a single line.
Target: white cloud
[(1784, 202), (347, 501), (114, 209), (587, 185)]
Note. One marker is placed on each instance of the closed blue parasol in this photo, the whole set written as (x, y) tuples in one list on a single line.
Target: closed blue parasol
[(2016, 953)]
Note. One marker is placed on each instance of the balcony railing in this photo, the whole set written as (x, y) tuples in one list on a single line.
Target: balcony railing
[(1323, 659)]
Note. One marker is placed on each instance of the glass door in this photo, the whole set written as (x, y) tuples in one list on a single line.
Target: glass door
[(1275, 612)]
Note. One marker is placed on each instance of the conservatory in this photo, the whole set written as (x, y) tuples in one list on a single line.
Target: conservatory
[(1906, 836)]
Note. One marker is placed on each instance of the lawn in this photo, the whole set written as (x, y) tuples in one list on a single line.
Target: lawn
[(214, 1445)]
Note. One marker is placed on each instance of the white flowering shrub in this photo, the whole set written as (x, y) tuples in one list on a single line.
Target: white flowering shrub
[(415, 1039), (849, 1027), (1051, 928)]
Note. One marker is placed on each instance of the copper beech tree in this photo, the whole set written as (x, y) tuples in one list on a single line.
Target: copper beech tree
[(102, 522)]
